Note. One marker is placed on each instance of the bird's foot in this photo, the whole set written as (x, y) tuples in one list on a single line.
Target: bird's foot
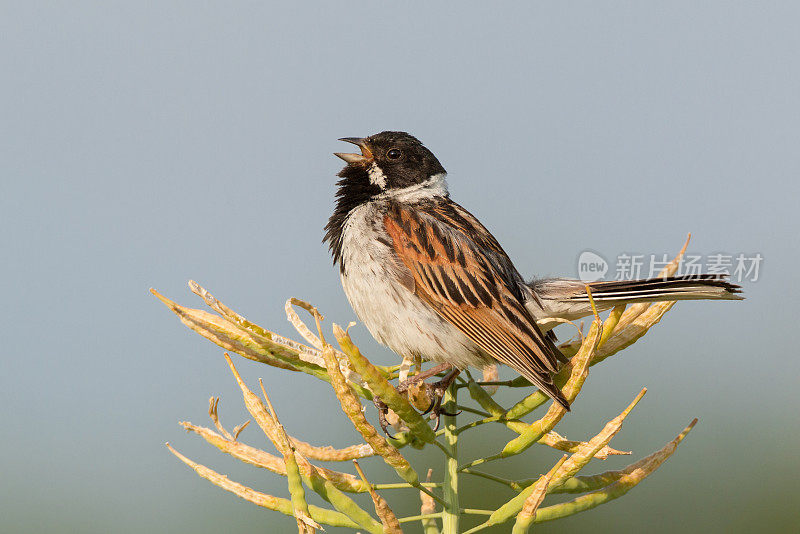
[(403, 386), (436, 393)]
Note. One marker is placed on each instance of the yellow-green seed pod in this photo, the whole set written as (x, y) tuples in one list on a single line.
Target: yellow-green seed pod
[(387, 516), (482, 397), (578, 372), (611, 323), (257, 457), (299, 505), (320, 515), (531, 504), (638, 327), (634, 474), (571, 466), (311, 477), (351, 406), (383, 389), (587, 451), (229, 336), (243, 338)]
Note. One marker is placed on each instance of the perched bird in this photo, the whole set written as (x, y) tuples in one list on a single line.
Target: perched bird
[(428, 279)]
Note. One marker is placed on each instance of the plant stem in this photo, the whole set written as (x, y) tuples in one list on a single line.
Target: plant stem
[(479, 422), (480, 461), (445, 449), (451, 512), (510, 483), (404, 485), (410, 518), (473, 410)]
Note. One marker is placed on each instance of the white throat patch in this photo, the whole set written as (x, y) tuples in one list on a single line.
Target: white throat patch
[(435, 186), (376, 176)]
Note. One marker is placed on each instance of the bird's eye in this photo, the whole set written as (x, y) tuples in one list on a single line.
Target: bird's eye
[(394, 153)]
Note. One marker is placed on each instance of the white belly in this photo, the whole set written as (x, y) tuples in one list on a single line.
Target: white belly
[(394, 315)]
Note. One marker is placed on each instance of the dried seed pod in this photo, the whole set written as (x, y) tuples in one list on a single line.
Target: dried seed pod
[(491, 373), (229, 336), (635, 310), (526, 515), (634, 474), (557, 441), (383, 389), (575, 463), (257, 457), (321, 515), (388, 518), (579, 370), (427, 507), (311, 477), (351, 406)]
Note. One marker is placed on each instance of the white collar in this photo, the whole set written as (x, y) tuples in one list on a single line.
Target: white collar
[(435, 186)]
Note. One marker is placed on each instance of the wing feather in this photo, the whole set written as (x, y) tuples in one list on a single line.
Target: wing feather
[(464, 274)]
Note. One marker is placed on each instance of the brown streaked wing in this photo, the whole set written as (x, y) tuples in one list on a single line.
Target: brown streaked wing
[(471, 286)]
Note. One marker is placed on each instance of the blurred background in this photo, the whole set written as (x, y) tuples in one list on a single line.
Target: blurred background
[(144, 144)]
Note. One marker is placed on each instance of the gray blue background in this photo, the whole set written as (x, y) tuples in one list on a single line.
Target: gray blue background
[(143, 144)]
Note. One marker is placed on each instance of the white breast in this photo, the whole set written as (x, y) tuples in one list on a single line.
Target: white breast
[(394, 315)]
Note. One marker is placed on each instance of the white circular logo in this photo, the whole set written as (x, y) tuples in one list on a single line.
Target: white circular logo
[(591, 266)]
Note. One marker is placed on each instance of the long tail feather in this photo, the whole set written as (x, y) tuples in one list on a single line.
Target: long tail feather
[(562, 298), (702, 287)]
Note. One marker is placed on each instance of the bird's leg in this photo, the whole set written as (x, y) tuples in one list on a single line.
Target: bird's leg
[(419, 377), (436, 392)]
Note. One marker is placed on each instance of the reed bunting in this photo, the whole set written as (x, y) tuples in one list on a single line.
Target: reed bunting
[(428, 279)]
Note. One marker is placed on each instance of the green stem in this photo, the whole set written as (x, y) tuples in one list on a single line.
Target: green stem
[(451, 512), (444, 448), (404, 485), (480, 461), (479, 422), (506, 482), (410, 518), (473, 410)]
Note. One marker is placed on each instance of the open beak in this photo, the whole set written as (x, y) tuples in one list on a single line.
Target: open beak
[(356, 159)]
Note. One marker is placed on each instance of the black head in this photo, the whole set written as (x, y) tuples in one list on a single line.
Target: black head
[(392, 160), (389, 162)]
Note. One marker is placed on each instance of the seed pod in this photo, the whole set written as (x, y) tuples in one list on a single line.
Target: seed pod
[(526, 515), (351, 406), (579, 370), (482, 397), (321, 515), (634, 474), (383, 389), (311, 477), (257, 457), (571, 466), (388, 518)]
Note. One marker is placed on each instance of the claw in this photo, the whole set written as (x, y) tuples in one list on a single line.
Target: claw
[(432, 405), (434, 391), (382, 411), (438, 421)]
